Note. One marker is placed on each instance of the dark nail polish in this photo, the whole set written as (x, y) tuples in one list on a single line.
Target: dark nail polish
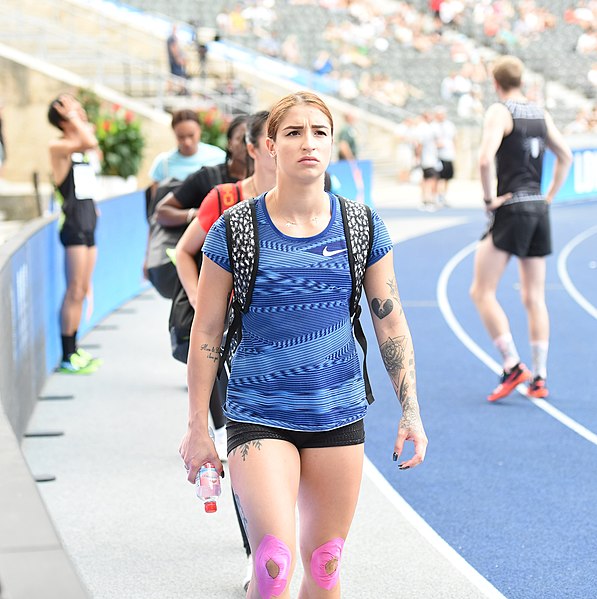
[(223, 474), (394, 457), (401, 467)]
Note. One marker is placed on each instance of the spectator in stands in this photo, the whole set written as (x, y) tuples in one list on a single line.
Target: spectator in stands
[(177, 61), (515, 135), (73, 175), (296, 397), (470, 106), (580, 124), (190, 153)]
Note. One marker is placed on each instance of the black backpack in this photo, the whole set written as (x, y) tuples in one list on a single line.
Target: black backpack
[(243, 250), (181, 311)]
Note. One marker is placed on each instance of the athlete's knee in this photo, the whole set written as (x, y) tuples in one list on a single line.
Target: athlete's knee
[(325, 563), (76, 291), (272, 566)]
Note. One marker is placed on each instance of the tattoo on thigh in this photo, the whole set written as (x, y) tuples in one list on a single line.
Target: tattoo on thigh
[(244, 448)]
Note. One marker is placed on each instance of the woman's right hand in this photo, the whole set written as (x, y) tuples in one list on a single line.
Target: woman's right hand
[(197, 448)]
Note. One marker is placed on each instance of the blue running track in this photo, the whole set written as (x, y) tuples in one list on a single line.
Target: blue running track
[(511, 486)]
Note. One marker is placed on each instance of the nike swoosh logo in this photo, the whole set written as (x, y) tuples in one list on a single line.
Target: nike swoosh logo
[(327, 253)]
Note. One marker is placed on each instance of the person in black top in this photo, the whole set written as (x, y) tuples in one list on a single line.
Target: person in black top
[(179, 208), (73, 174), (515, 135)]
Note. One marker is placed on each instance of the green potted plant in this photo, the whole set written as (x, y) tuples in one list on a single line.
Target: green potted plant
[(213, 127), (121, 142)]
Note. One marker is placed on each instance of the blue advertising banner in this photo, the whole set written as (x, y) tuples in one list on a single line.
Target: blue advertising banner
[(581, 183), (352, 179)]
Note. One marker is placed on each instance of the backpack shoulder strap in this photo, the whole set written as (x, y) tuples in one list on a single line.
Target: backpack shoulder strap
[(358, 231), (243, 252)]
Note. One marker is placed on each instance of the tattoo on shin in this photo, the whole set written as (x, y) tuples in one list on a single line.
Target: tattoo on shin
[(244, 448), (212, 352)]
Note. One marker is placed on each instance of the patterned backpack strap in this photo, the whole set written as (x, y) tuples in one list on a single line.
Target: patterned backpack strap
[(243, 252), (358, 231)]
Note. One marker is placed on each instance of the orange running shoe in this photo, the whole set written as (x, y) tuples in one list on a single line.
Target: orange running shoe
[(537, 388), (509, 381)]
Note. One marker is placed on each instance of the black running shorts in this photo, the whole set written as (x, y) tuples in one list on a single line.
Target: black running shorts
[(447, 171), (70, 235), (523, 229), (240, 433)]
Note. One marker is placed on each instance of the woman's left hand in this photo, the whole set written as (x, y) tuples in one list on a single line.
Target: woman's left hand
[(411, 429)]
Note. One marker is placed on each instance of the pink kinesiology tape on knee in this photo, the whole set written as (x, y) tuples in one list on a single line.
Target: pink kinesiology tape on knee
[(325, 558), (272, 550)]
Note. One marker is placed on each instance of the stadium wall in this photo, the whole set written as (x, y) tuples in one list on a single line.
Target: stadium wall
[(31, 290)]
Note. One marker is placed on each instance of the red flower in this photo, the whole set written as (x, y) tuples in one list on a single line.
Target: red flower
[(106, 125), (129, 117)]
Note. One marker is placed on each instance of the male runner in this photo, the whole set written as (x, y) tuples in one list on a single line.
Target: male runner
[(515, 135)]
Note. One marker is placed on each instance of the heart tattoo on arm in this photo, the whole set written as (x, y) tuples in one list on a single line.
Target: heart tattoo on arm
[(381, 308)]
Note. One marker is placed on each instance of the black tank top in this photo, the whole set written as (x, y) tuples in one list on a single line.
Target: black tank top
[(519, 159), (78, 191)]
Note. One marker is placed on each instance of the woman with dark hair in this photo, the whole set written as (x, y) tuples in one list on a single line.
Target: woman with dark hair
[(262, 178), (73, 174), (190, 153), (180, 207)]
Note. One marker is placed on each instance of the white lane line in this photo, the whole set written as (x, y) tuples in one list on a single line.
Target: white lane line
[(439, 544), (452, 322), (563, 271)]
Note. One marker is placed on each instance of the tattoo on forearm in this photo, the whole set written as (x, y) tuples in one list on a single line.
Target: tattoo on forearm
[(382, 307), (213, 353), (411, 417), (400, 367), (244, 448), (392, 353), (394, 293)]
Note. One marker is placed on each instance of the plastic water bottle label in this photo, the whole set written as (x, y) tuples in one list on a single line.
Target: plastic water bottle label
[(208, 482)]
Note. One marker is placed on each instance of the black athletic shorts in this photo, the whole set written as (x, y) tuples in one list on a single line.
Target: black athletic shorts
[(523, 229), (240, 433), (70, 235), (447, 171), (430, 173)]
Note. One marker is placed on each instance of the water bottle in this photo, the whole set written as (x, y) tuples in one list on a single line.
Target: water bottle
[(207, 484)]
